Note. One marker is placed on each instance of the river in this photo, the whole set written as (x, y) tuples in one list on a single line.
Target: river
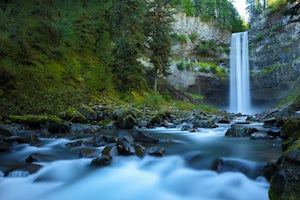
[(184, 173)]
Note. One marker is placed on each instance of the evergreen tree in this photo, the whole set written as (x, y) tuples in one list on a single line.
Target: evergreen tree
[(128, 37), (157, 28)]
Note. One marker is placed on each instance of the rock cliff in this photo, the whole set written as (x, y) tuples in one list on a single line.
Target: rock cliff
[(274, 44), (201, 49)]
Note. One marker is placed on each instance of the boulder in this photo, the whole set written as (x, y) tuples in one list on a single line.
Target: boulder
[(58, 127), (99, 141), (110, 150), (75, 143), (88, 153), (124, 120), (209, 123), (125, 144), (284, 184), (139, 150), (187, 127), (289, 127), (73, 115), (38, 157), (260, 135), (156, 151), (101, 161), (240, 130), (249, 168), (141, 137), (4, 131), (22, 170)]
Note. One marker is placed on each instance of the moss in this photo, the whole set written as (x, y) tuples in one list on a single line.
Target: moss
[(73, 115), (291, 126), (33, 119), (295, 106)]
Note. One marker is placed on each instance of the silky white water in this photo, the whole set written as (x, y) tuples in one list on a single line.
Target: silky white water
[(184, 173), (239, 74)]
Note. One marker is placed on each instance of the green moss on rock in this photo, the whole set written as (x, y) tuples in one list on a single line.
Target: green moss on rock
[(289, 127), (33, 119), (73, 115)]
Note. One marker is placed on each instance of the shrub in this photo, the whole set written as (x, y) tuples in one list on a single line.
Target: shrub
[(153, 100), (193, 37), (180, 38)]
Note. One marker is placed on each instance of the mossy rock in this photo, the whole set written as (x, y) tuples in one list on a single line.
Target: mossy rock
[(291, 141), (295, 106), (87, 112), (34, 121), (289, 127), (73, 115)]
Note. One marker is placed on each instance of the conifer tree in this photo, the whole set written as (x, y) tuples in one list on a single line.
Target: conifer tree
[(157, 28), (128, 37)]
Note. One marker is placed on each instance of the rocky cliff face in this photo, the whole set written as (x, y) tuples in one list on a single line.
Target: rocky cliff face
[(196, 45), (274, 43)]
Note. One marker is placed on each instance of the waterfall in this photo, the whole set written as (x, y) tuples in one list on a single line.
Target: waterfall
[(239, 74)]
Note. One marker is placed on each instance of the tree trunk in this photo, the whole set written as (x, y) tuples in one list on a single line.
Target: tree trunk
[(155, 81)]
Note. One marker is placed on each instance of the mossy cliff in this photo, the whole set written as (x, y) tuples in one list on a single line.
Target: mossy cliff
[(274, 43)]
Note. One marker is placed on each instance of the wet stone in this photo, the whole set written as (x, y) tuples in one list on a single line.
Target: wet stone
[(101, 161), (156, 151), (88, 153), (75, 144)]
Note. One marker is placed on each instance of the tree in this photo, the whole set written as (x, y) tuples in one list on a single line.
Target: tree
[(128, 37), (157, 29)]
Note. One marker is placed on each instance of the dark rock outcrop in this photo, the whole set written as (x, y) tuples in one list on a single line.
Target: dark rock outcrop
[(240, 130)]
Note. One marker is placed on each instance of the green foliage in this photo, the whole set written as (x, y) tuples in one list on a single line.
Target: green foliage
[(274, 5), (222, 13), (127, 28), (180, 38), (188, 7), (206, 47), (193, 37), (205, 67), (258, 37), (271, 69), (153, 100), (209, 47)]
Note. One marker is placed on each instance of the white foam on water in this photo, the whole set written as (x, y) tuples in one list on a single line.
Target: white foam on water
[(132, 178)]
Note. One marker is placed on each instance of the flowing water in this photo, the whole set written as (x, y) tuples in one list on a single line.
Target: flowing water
[(239, 74), (184, 173)]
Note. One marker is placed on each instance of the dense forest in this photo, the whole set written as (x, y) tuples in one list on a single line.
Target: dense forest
[(59, 53)]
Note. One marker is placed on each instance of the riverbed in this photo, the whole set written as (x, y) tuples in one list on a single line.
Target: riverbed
[(202, 165)]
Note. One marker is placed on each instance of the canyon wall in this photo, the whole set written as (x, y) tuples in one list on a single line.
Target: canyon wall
[(203, 44), (274, 44)]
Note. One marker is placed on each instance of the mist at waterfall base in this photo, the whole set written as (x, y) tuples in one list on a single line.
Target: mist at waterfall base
[(184, 173)]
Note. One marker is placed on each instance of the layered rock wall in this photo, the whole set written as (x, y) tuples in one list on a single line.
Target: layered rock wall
[(212, 88), (274, 42)]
